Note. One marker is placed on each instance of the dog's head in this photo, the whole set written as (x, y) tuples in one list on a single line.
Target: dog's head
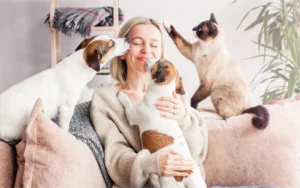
[(164, 72), (207, 30), (98, 50)]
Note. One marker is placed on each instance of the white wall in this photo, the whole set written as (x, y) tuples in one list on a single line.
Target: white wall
[(25, 39)]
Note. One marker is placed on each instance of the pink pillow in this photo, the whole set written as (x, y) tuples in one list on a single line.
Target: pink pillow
[(239, 154), (8, 165), (51, 157)]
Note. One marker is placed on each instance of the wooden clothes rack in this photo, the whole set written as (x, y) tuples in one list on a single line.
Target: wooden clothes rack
[(54, 33)]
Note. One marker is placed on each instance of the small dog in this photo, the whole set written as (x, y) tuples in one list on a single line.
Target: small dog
[(59, 87), (157, 132)]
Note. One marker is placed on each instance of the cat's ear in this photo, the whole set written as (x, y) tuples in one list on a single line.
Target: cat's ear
[(213, 19)]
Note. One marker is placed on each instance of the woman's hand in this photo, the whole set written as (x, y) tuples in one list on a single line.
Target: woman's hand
[(172, 107), (172, 164)]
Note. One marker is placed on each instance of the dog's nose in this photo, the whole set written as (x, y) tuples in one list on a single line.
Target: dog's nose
[(127, 40)]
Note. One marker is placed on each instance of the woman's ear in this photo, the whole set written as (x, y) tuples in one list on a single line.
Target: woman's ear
[(122, 57)]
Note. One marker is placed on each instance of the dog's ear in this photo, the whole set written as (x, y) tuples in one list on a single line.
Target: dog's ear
[(93, 56), (212, 18), (161, 76), (179, 85), (93, 63), (84, 43)]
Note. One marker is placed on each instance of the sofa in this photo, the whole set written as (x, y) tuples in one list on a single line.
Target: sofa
[(238, 154)]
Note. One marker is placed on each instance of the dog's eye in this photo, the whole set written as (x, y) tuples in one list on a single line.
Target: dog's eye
[(99, 55), (112, 43)]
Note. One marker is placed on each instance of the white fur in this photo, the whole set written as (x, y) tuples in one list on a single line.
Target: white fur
[(59, 87), (147, 117)]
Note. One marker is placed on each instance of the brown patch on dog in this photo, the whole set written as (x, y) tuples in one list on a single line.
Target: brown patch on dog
[(98, 52), (84, 43), (179, 86), (163, 71), (179, 178), (154, 140)]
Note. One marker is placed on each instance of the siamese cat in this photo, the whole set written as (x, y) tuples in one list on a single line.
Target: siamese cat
[(220, 77)]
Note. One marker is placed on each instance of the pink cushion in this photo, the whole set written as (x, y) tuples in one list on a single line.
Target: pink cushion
[(51, 157), (8, 165), (239, 154)]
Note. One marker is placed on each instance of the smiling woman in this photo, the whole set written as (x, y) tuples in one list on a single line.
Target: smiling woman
[(128, 164), (141, 32)]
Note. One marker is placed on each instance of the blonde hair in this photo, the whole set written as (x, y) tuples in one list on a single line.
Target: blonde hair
[(118, 67)]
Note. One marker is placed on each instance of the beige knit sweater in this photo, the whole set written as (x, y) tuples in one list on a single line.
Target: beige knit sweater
[(128, 164)]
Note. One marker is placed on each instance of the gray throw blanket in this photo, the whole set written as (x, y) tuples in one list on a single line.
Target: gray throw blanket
[(81, 127), (81, 20)]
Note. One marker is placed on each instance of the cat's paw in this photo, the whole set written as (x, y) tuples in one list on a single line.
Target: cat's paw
[(167, 26)]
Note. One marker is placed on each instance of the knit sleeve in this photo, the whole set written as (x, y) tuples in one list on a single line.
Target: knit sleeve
[(195, 131), (125, 167)]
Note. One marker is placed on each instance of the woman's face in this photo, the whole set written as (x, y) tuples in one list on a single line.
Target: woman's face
[(145, 43)]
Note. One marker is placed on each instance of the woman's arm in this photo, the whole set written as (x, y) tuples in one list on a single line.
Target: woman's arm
[(126, 167), (192, 124)]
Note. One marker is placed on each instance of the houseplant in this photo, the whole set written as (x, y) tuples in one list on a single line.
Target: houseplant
[(279, 47)]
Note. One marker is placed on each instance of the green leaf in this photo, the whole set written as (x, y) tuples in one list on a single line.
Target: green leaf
[(272, 66), (290, 44), (260, 20), (234, 1), (297, 46), (272, 49), (248, 14), (291, 83), (277, 73)]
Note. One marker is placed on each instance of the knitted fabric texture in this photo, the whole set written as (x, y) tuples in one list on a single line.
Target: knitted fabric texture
[(81, 20), (82, 128)]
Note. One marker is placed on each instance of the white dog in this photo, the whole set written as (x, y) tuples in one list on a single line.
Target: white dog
[(157, 132), (59, 87)]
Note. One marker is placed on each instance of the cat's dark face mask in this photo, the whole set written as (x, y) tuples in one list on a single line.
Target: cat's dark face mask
[(207, 29)]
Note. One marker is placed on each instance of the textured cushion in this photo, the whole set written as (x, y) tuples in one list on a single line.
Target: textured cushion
[(81, 127), (8, 165), (239, 154), (51, 157)]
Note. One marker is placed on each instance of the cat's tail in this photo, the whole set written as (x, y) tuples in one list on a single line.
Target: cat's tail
[(261, 118)]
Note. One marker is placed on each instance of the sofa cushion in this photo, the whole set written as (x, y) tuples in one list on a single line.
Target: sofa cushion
[(51, 157), (8, 165), (239, 154), (82, 128)]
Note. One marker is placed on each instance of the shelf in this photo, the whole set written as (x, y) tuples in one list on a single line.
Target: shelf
[(104, 72), (101, 28), (55, 37)]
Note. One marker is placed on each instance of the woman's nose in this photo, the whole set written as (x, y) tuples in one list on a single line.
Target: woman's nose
[(146, 48)]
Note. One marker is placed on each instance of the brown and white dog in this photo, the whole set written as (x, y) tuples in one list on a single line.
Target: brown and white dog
[(59, 87), (157, 132)]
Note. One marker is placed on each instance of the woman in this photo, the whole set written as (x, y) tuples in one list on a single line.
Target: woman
[(128, 164)]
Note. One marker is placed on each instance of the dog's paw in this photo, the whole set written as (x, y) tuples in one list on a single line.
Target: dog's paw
[(65, 127), (167, 26), (122, 96)]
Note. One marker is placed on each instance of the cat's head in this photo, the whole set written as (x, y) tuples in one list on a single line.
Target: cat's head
[(207, 30)]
